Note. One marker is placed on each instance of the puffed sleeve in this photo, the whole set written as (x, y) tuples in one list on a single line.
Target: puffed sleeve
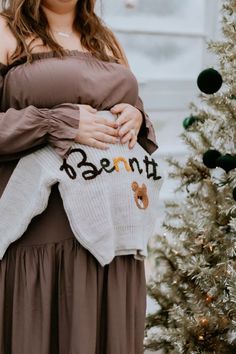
[(146, 135), (24, 131)]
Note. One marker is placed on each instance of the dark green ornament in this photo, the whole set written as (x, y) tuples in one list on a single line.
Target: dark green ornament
[(188, 121), (209, 81), (227, 162), (234, 193), (210, 157)]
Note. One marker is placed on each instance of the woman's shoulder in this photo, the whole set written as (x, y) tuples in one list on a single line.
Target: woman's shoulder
[(8, 41)]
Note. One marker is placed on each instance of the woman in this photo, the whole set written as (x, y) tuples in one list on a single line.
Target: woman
[(59, 65)]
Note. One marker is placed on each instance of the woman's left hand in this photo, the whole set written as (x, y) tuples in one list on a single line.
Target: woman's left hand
[(129, 122)]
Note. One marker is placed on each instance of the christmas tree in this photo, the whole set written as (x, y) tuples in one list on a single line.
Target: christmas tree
[(194, 285)]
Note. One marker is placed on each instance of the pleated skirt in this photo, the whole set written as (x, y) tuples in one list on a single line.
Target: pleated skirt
[(56, 298)]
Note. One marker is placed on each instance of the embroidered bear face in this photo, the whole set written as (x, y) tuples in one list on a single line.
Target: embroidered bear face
[(140, 195)]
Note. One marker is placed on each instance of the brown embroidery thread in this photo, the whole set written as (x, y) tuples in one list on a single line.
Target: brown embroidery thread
[(140, 194)]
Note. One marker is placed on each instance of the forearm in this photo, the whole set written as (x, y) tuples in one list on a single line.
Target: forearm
[(23, 131)]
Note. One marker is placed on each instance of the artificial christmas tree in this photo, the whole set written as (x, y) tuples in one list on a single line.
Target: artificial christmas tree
[(194, 285)]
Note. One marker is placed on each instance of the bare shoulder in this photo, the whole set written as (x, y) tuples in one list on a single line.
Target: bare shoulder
[(8, 42)]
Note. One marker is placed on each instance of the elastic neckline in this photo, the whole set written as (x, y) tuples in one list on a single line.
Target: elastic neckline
[(50, 54)]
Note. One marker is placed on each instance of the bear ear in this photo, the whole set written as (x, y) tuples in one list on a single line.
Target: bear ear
[(134, 186), (144, 187)]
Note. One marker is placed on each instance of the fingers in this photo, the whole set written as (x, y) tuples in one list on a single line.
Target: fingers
[(107, 129), (119, 107), (98, 144), (125, 129), (123, 118), (106, 138), (133, 141), (106, 122), (128, 136)]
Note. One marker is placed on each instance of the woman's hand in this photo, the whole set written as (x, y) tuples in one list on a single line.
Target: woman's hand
[(95, 130), (130, 120)]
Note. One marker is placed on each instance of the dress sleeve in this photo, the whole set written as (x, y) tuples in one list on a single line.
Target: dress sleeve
[(25, 130), (146, 135)]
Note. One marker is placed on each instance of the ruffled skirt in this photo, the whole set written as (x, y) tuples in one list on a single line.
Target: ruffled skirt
[(55, 298)]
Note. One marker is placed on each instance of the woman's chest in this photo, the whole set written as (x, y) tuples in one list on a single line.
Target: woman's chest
[(78, 78)]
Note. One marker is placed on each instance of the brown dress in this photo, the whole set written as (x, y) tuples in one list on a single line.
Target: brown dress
[(55, 298)]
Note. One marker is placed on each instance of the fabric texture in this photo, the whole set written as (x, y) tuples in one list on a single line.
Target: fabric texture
[(55, 297), (110, 197)]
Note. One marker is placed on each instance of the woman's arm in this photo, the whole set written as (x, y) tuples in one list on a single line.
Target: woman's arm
[(23, 131)]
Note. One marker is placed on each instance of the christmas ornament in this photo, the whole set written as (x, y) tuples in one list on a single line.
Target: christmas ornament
[(210, 158), (209, 81), (213, 159), (227, 162), (209, 299), (234, 193), (203, 321), (188, 121)]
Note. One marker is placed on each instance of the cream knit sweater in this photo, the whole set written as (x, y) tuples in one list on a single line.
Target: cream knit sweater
[(110, 196)]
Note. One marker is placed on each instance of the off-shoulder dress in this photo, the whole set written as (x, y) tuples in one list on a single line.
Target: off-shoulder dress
[(55, 298)]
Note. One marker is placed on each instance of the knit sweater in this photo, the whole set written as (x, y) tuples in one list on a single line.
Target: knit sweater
[(110, 196)]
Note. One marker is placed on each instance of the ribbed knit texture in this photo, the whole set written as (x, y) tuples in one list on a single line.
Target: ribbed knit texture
[(102, 211)]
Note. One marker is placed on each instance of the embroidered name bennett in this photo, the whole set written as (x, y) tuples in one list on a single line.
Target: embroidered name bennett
[(111, 215), (92, 171)]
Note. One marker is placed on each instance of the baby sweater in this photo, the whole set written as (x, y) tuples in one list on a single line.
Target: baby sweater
[(110, 196)]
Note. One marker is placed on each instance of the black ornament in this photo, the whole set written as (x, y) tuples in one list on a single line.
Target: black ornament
[(187, 122), (209, 81), (227, 162), (234, 193), (210, 158)]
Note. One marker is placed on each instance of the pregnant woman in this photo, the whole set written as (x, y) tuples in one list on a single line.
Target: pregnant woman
[(59, 65)]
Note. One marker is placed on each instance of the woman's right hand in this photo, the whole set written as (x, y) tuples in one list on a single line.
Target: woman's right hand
[(94, 130)]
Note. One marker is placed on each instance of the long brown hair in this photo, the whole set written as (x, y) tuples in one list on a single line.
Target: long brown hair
[(26, 18)]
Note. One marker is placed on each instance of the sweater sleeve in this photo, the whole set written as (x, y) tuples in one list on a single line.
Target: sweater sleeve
[(25, 196), (24, 131), (146, 135)]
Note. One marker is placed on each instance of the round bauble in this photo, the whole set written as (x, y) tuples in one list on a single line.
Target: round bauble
[(188, 121), (227, 162), (209, 81), (210, 157), (203, 321)]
